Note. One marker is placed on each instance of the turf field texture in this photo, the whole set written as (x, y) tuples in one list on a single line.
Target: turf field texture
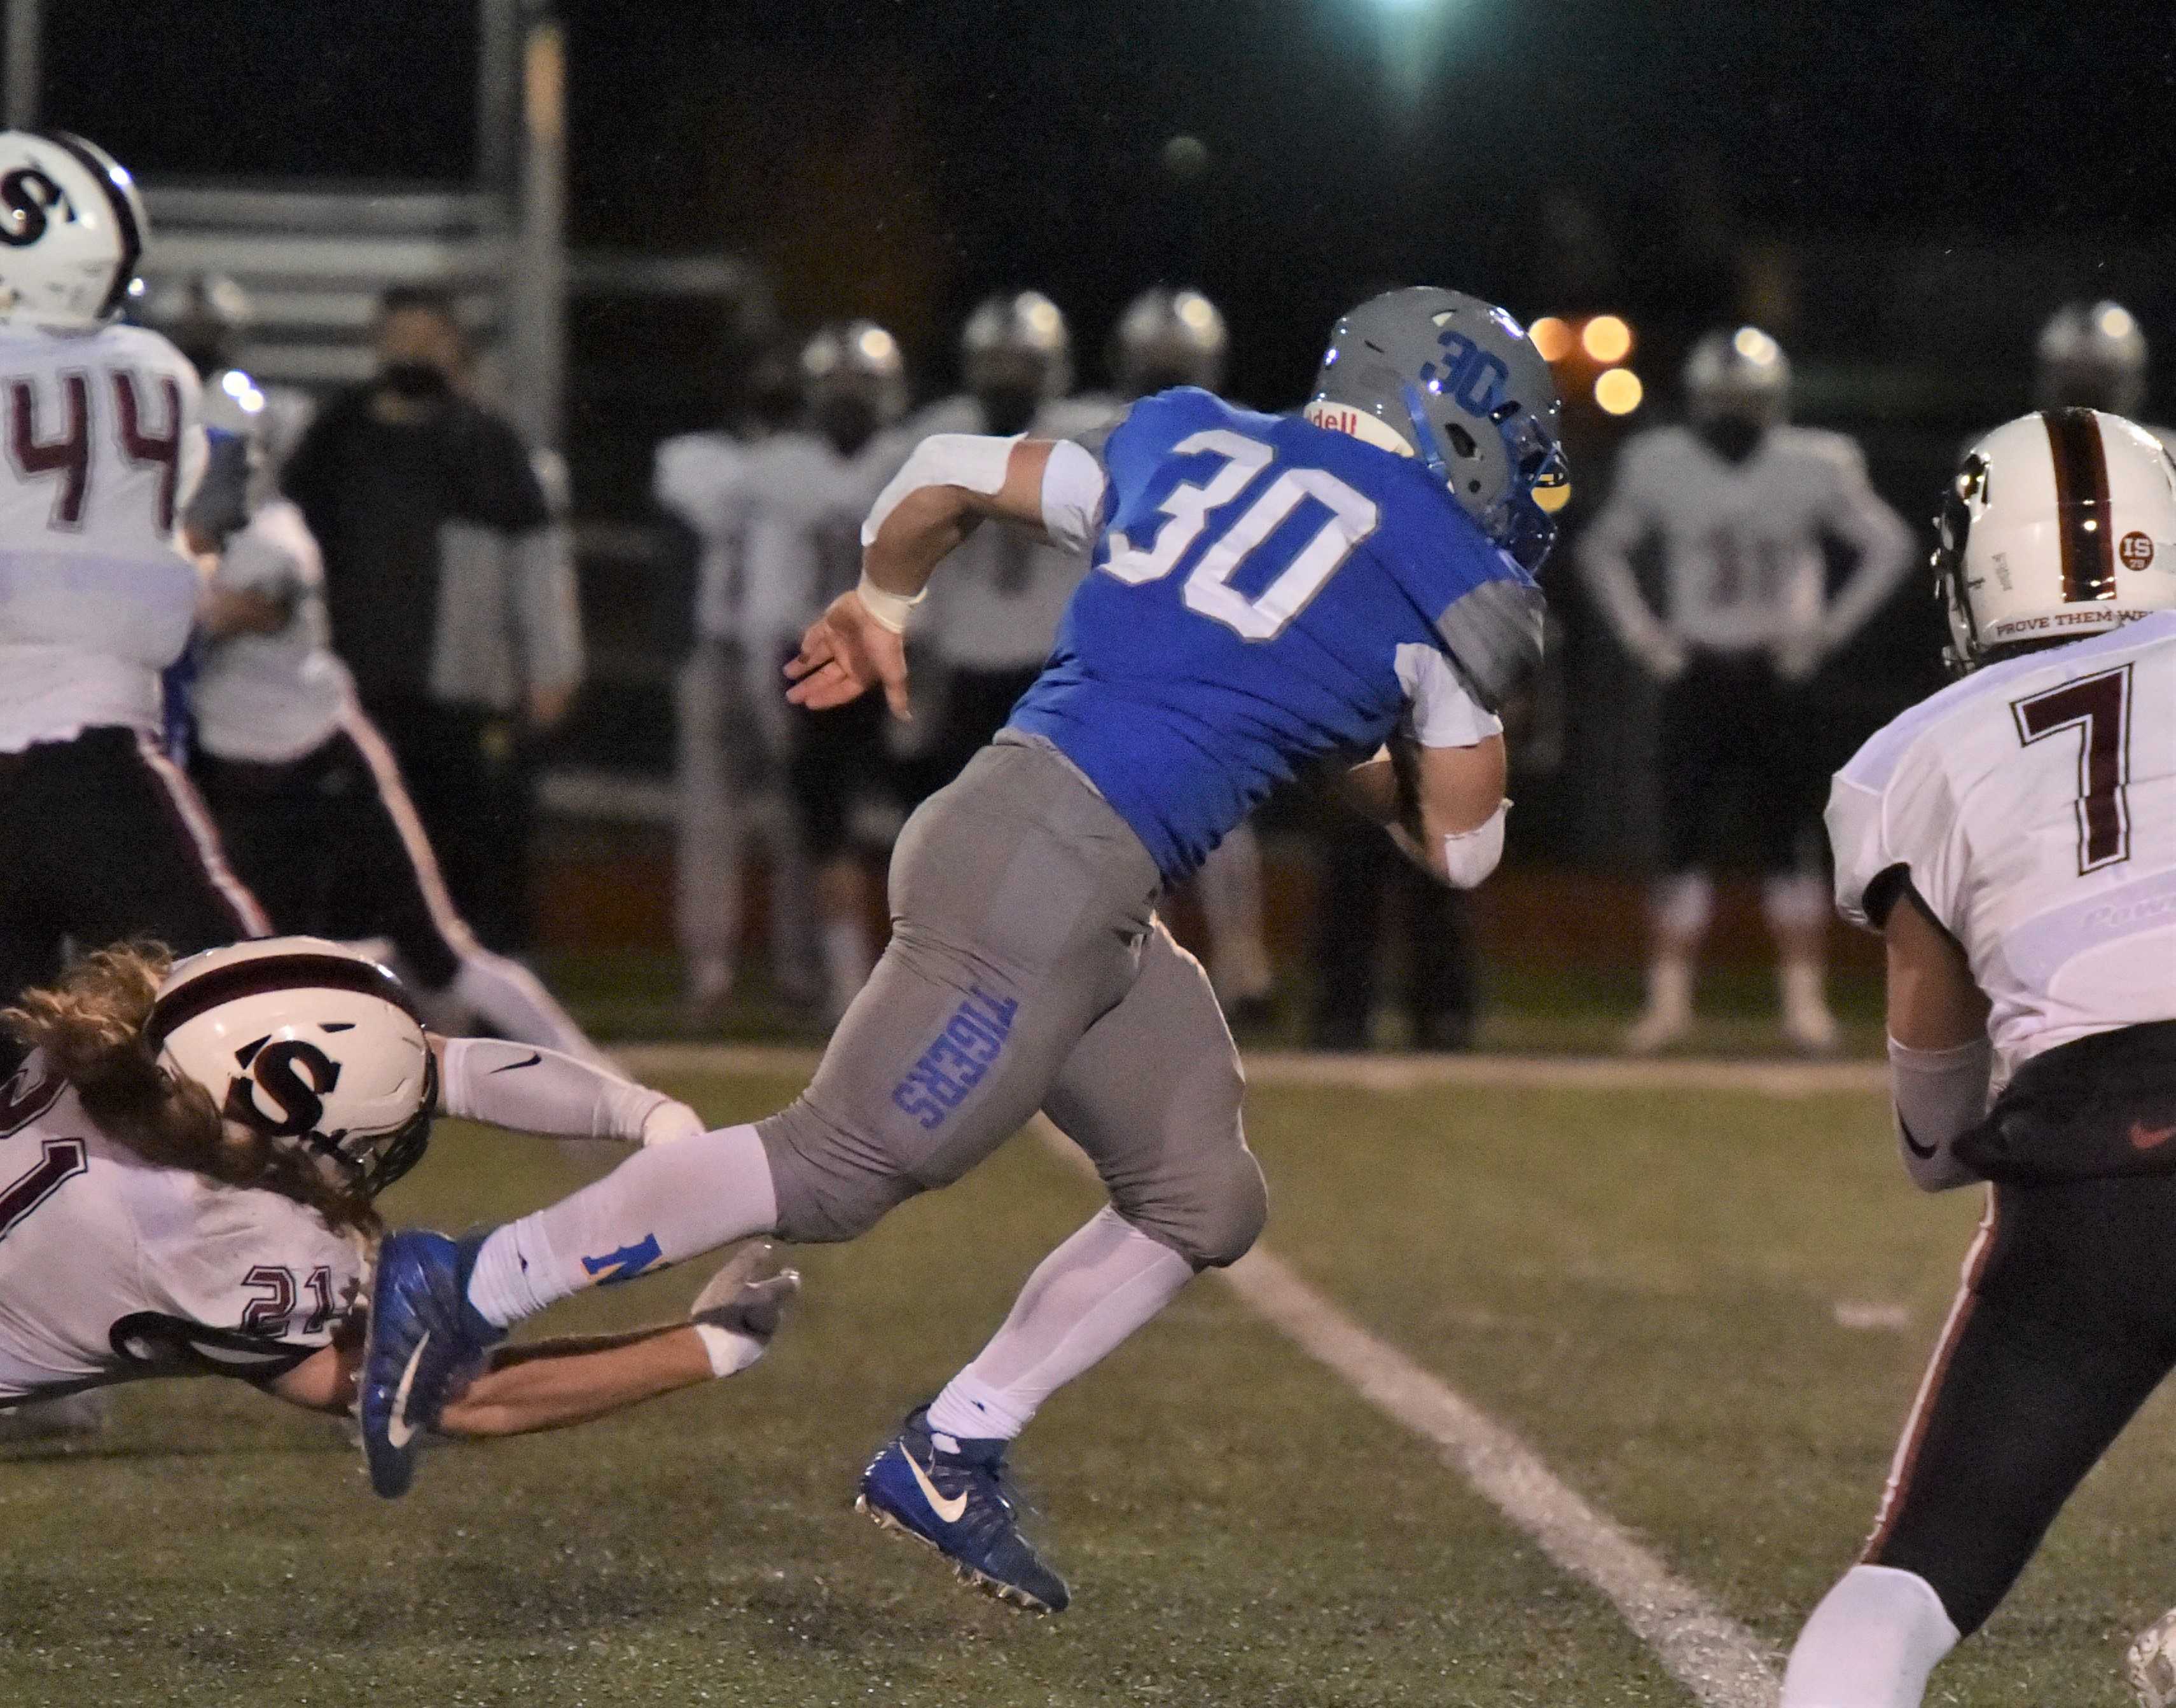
[(1706, 1309)]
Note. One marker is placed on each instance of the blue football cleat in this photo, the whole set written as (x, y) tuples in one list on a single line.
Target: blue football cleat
[(426, 1341), (951, 1495)]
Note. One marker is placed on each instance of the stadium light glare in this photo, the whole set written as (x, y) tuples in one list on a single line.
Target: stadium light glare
[(1618, 392), (2115, 321), (1552, 337), (1606, 338)]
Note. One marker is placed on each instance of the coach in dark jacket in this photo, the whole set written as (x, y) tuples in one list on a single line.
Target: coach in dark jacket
[(450, 593)]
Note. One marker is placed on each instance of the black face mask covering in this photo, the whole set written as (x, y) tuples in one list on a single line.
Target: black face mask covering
[(419, 382), (1007, 409)]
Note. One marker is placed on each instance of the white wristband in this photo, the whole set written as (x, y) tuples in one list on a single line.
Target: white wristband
[(729, 1352), (889, 610)]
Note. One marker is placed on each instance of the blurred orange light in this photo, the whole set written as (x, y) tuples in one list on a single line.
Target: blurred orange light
[(1552, 337), (1606, 338), (1618, 392)]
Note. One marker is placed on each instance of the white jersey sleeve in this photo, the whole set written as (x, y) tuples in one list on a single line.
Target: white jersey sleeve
[(112, 1268), (2032, 806)]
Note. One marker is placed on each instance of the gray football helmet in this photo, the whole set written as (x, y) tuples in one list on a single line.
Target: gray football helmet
[(206, 316), (856, 380), (1737, 374), (1017, 341), (1169, 338), (2091, 355), (1456, 381)]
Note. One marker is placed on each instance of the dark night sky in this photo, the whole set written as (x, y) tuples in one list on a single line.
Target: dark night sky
[(900, 159)]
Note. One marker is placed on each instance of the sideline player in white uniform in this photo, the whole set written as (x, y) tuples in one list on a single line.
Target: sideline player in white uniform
[(811, 487), (1170, 338), (1741, 503), (101, 836), (304, 789), (173, 1204), (732, 728), (992, 616), (2014, 839)]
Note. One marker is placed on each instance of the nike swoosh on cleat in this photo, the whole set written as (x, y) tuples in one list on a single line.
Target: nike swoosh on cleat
[(1922, 1152), (2145, 1138), (948, 1511), (399, 1431), (510, 1066)]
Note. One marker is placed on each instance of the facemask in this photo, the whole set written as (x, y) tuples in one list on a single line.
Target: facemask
[(417, 381), (847, 421), (1733, 437), (1007, 409)]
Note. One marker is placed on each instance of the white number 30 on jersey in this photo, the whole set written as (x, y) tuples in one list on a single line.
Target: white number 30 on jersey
[(1208, 590)]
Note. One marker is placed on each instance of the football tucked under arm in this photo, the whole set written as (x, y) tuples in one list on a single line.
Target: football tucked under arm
[(1437, 786), (532, 1090)]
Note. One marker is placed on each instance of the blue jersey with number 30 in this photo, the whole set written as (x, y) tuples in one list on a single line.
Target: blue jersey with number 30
[(1254, 582)]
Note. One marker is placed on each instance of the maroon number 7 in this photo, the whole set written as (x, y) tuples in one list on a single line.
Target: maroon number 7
[(2098, 708)]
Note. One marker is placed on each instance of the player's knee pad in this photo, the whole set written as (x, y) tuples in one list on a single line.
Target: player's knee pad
[(1795, 901), (829, 1188), (1684, 906), (1211, 1219)]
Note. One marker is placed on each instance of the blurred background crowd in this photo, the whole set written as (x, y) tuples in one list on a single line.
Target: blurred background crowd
[(676, 298)]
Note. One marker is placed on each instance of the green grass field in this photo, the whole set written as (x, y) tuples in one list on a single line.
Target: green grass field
[(1645, 1285)]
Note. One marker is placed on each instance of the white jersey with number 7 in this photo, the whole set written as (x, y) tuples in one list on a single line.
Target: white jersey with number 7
[(2032, 806), (103, 448)]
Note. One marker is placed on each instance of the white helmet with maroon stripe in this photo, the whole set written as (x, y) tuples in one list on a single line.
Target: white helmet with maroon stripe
[(2057, 525), (308, 1043), (71, 231)]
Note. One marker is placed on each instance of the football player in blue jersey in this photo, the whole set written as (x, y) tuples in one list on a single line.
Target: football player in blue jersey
[(1266, 593)]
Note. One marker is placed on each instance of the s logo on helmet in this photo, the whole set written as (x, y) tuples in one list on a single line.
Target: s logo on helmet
[(1476, 379), (296, 1076), (27, 197)]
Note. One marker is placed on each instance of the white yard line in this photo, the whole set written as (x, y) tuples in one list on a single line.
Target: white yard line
[(1717, 1659), (1392, 1073)]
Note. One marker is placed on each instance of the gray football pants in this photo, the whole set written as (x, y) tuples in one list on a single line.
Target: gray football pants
[(1027, 970)]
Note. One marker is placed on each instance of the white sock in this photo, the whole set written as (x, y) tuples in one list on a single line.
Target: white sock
[(847, 961), (661, 1207), (513, 1002), (1083, 1300), (1802, 985), (1870, 1644), (1670, 986)]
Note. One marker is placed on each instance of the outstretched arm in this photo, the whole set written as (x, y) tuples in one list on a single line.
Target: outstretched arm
[(547, 1385), (951, 484), (528, 1089)]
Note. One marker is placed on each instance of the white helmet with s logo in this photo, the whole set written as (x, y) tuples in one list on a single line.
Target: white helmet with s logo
[(309, 1043), (72, 229)]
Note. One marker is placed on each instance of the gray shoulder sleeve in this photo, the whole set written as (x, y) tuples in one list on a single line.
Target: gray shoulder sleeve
[(1093, 439), (1494, 636)]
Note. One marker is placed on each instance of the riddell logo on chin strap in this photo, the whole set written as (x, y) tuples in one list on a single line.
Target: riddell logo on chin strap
[(2145, 1138)]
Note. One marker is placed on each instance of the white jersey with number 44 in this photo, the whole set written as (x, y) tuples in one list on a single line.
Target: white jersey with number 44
[(111, 1267), (2032, 807), (103, 448)]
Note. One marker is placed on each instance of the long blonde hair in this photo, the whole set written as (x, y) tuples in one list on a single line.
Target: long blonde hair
[(91, 1025)]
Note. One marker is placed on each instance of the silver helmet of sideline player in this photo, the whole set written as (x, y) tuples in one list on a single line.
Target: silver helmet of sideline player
[(1168, 338), (856, 380), (205, 316), (1737, 385), (308, 1044), (71, 229), (1456, 381), (1016, 354), (2090, 355), (2057, 525)]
